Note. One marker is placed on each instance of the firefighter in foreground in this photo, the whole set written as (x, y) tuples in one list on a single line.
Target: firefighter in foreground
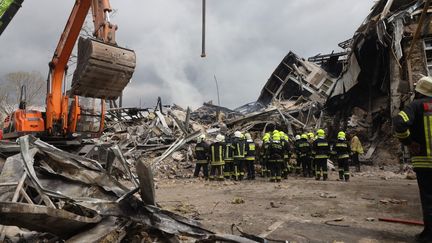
[(342, 151), (321, 150), (250, 156), (217, 158), (413, 127), (202, 157)]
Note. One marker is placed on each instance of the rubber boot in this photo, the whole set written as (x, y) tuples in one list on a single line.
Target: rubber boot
[(341, 175)]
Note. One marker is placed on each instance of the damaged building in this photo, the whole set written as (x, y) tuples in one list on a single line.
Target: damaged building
[(388, 53)]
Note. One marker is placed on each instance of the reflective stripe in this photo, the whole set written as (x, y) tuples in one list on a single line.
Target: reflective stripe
[(343, 145), (404, 116), (343, 156), (322, 144), (199, 148), (402, 135), (427, 121), (250, 158), (422, 162), (321, 157), (252, 147), (202, 161), (220, 160)]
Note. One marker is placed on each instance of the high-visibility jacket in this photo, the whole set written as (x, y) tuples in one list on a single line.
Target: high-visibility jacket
[(239, 148), (202, 153), (229, 151), (321, 148), (217, 153), (414, 124), (356, 145), (303, 148), (342, 149), (250, 150)]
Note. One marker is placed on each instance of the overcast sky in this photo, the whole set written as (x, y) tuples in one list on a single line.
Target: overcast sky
[(246, 40)]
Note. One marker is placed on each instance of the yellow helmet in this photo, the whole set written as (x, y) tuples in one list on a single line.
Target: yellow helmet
[(305, 136), (311, 135), (276, 137), (320, 133), (341, 135)]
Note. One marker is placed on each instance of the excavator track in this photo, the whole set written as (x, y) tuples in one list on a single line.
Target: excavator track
[(103, 70)]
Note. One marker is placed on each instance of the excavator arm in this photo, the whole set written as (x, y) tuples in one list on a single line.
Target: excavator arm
[(103, 68), (103, 71), (8, 9)]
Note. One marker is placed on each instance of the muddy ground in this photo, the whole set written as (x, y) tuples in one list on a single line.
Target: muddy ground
[(302, 210)]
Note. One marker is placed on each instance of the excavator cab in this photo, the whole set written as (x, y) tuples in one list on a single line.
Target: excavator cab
[(87, 117)]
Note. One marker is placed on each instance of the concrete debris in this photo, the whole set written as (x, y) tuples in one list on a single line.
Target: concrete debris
[(57, 195), (237, 200)]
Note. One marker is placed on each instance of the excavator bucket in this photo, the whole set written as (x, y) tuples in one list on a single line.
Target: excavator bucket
[(103, 70)]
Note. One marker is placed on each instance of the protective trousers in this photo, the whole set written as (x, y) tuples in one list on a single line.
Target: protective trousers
[(276, 170), (343, 166), (198, 167), (298, 167), (356, 161), (216, 172), (424, 180), (229, 169), (264, 166), (321, 168), (284, 169), (238, 168), (306, 164), (250, 163)]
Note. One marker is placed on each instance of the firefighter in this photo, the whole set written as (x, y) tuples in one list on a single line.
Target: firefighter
[(311, 139), (298, 166), (217, 158), (413, 127), (342, 151), (229, 158), (264, 155), (286, 154), (201, 156), (304, 153), (321, 150), (276, 157), (356, 149), (239, 155), (250, 157)]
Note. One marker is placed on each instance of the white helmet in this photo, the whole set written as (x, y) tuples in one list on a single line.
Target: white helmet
[(220, 138), (201, 138), (248, 136), (424, 86), (237, 134), (297, 137)]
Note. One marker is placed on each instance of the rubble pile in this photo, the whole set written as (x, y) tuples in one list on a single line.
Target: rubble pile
[(53, 195)]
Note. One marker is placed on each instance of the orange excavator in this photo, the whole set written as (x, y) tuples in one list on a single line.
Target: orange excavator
[(103, 71)]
